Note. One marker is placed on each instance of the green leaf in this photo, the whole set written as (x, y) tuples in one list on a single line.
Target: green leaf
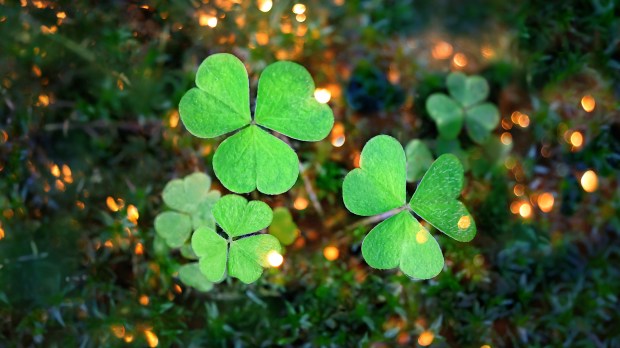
[(190, 275), (419, 159), (248, 256), (446, 113), (173, 227), (480, 120), (285, 103), (283, 227), (221, 103), (211, 250), (184, 195), (254, 159), (238, 217), (435, 200), (379, 184), (467, 90), (401, 241)]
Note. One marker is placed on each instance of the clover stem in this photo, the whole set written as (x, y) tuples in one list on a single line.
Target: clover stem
[(376, 218)]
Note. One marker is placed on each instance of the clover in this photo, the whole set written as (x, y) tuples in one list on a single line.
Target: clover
[(378, 186), (191, 275), (191, 200), (464, 105), (253, 158), (243, 253)]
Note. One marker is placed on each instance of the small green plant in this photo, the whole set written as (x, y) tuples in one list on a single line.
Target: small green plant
[(464, 106), (378, 186), (253, 158), (242, 252), (283, 227)]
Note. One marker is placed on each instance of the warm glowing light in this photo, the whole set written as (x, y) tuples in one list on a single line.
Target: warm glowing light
[(265, 5), (322, 95), (426, 338), (545, 202), (588, 103), (262, 38), (460, 60), (1, 233), (206, 20), (44, 100), (55, 170), (49, 30), (331, 253), (464, 222), (524, 120), (144, 300), (151, 338), (576, 139), (299, 9), (108, 244), (487, 52), (111, 203), (177, 288), (139, 249), (80, 205), (36, 70), (525, 210), (514, 117), (442, 50), (212, 22), (589, 181), (118, 330), (274, 259), (4, 136), (337, 135), (485, 346), (421, 237), (514, 207), (60, 186), (66, 171), (174, 119), (300, 18), (128, 338), (301, 203), (132, 214), (519, 190), (506, 138), (506, 124), (61, 15)]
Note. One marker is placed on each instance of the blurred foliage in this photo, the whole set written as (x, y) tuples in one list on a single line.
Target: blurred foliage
[(90, 134)]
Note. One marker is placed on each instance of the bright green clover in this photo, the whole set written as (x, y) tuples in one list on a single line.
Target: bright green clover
[(419, 159), (283, 227), (190, 275), (464, 105), (243, 252), (253, 158), (191, 202), (379, 186)]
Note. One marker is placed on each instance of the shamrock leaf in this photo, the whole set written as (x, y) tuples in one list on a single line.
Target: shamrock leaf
[(253, 158), (190, 275), (283, 227), (463, 106), (243, 253), (379, 186), (191, 201), (419, 159)]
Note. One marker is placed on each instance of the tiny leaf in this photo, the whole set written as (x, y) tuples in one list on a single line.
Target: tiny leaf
[(238, 217), (467, 90), (447, 114), (283, 227), (174, 227)]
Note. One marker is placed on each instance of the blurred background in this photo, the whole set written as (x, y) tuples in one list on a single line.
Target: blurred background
[(90, 134)]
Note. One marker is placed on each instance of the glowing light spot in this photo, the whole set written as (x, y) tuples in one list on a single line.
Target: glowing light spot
[(265, 5), (588, 103), (118, 330), (61, 15), (300, 203), (524, 121), (1, 233), (299, 9), (177, 288), (442, 50), (111, 203), (66, 171), (338, 138), (151, 338), (4, 136), (487, 52), (108, 244), (44, 100), (144, 300), (322, 95), (421, 237), (545, 202), (426, 338), (300, 18), (132, 214), (120, 84), (576, 139), (275, 259), (49, 30), (173, 121), (331, 253), (262, 38), (55, 170), (506, 124), (80, 205), (506, 138), (60, 186), (36, 70), (128, 338), (514, 117), (589, 181), (464, 222), (206, 20), (460, 60), (139, 249), (485, 346), (518, 190), (525, 210)]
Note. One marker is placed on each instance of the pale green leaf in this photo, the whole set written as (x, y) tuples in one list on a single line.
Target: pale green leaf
[(238, 217), (203, 215), (467, 90), (190, 275), (285, 103), (185, 194), (173, 227), (380, 183), (419, 159), (254, 159), (480, 120), (435, 199), (283, 227), (212, 251), (446, 113), (248, 256), (221, 103)]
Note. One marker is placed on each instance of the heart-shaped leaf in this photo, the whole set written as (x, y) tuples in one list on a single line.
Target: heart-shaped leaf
[(435, 200), (419, 159), (238, 217), (190, 275), (401, 241), (296, 113), (446, 113), (174, 227), (221, 103), (186, 194), (467, 90), (254, 159), (480, 120), (212, 251), (378, 185), (283, 227), (248, 256)]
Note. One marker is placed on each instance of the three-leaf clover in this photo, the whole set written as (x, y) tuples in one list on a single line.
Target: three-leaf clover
[(253, 158), (192, 201), (243, 252), (464, 105), (379, 186)]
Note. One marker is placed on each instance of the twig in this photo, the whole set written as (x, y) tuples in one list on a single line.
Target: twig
[(370, 220), (311, 194)]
